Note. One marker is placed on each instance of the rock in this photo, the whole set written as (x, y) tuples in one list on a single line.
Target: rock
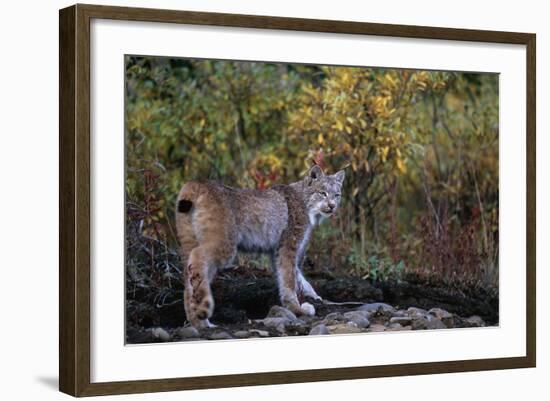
[(308, 309), (188, 332), (220, 335), (320, 329), (443, 315), (241, 334), (343, 328), (401, 313), (334, 318), (376, 328), (279, 311), (427, 323), (419, 323), (398, 327), (138, 336), (378, 308), (416, 312), (475, 321), (402, 321), (261, 333), (278, 323), (359, 318), (159, 334), (434, 323)]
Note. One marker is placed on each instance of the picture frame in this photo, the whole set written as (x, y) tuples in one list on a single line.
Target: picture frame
[(76, 201)]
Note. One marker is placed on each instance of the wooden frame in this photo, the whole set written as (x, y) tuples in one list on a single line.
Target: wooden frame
[(74, 199)]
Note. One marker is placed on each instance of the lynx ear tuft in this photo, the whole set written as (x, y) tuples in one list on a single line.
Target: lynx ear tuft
[(339, 176), (314, 173)]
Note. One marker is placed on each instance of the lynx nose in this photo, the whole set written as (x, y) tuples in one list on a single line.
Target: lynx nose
[(331, 206)]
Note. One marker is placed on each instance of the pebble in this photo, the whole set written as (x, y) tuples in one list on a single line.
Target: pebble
[(241, 334), (475, 321), (416, 312), (188, 332), (446, 317), (375, 328), (343, 328), (220, 335), (275, 322), (261, 333), (159, 333), (334, 318), (320, 329), (402, 321), (281, 312), (359, 318), (378, 308), (434, 323)]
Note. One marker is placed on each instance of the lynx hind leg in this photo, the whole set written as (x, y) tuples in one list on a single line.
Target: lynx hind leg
[(199, 303), (287, 277), (188, 242)]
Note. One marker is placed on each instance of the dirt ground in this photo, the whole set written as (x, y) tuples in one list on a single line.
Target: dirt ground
[(246, 302)]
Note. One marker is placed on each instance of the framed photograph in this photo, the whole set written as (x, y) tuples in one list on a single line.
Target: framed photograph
[(249, 200)]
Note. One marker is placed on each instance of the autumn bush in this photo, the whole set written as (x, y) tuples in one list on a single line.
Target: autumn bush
[(420, 149)]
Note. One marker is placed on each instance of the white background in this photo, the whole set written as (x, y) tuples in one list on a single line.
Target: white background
[(111, 361), (28, 200)]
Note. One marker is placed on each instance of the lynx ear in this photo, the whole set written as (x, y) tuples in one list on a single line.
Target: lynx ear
[(314, 173), (339, 176)]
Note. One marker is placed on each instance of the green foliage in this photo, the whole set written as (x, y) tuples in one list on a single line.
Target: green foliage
[(420, 150), (375, 267)]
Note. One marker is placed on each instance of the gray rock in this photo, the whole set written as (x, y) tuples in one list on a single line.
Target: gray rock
[(378, 308), (241, 334), (375, 328), (446, 317), (402, 321), (279, 311), (188, 332), (416, 312), (434, 323), (419, 323), (220, 335), (400, 313), (158, 333), (475, 321), (320, 329), (278, 323), (359, 318), (261, 333), (343, 328), (427, 323), (334, 318), (398, 327)]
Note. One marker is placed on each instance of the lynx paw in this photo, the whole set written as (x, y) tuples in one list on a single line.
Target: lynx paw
[(307, 309), (205, 324)]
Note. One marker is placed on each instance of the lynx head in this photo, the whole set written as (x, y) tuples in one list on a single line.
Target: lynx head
[(322, 193)]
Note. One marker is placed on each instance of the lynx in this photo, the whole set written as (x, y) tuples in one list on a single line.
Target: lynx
[(215, 221)]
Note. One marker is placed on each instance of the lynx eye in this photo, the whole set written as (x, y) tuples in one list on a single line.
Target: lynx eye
[(323, 193), (337, 195)]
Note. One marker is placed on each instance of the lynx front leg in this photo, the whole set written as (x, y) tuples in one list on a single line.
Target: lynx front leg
[(306, 288), (287, 277)]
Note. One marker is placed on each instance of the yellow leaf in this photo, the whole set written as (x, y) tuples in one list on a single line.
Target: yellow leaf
[(320, 139), (401, 166)]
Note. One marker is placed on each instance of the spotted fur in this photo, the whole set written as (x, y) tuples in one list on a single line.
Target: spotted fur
[(215, 221)]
